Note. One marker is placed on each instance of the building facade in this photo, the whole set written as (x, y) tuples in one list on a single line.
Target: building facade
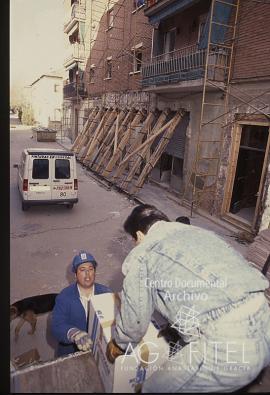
[(208, 58), (46, 97)]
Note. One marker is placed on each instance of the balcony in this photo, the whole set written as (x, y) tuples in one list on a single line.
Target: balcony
[(74, 89), (76, 15), (157, 10), (183, 65), (75, 53)]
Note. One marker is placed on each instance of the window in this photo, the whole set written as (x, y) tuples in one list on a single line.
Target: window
[(92, 75), (110, 18), (56, 88), (108, 71), (137, 60), (40, 169), (62, 168)]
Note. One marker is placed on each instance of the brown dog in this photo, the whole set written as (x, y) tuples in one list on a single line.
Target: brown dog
[(28, 308)]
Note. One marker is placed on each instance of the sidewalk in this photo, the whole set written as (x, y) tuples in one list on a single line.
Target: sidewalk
[(65, 142), (159, 197)]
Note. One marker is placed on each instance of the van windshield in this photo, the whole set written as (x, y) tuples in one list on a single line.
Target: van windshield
[(40, 169), (62, 168)]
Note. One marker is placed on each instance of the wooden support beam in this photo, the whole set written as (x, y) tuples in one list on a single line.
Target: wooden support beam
[(92, 127), (158, 151), (116, 156), (82, 138), (147, 142), (80, 135), (108, 143), (96, 138), (141, 156), (102, 138), (147, 123), (98, 130), (116, 134)]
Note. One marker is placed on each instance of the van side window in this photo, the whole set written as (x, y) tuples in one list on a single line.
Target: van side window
[(40, 169), (62, 168)]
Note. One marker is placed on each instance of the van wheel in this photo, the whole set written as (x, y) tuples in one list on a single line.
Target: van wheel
[(25, 206), (70, 205)]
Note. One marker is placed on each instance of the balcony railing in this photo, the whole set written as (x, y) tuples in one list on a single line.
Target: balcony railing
[(183, 65), (74, 89), (77, 14), (75, 53)]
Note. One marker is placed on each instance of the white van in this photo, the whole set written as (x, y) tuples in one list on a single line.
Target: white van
[(47, 176)]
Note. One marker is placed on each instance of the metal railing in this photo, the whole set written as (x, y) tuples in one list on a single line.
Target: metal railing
[(183, 64), (73, 89)]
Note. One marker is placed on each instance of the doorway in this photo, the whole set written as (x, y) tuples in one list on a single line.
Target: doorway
[(248, 170)]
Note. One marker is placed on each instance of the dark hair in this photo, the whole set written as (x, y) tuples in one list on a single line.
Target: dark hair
[(142, 218), (184, 220)]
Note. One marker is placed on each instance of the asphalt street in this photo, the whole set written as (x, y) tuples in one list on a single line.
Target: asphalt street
[(44, 239)]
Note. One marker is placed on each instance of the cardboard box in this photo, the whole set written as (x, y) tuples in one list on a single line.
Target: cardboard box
[(27, 358), (128, 371)]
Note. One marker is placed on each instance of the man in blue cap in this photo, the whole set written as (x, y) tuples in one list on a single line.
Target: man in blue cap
[(70, 313)]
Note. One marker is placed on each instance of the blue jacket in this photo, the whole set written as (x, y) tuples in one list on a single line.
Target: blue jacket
[(67, 313)]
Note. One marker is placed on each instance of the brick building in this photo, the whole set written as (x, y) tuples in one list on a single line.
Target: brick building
[(208, 59)]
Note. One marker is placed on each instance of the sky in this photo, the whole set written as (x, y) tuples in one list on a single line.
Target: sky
[(36, 39)]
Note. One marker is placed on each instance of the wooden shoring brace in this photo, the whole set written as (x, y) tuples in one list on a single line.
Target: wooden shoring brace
[(116, 156), (99, 138), (108, 144), (116, 134), (82, 133), (82, 136), (102, 138), (144, 149), (95, 123), (158, 151), (92, 127), (98, 130), (137, 141), (85, 138)]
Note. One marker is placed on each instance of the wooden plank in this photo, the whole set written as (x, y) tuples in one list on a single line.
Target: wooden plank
[(82, 138), (159, 149), (147, 123), (116, 134), (116, 156), (147, 141), (92, 127), (232, 168), (108, 143), (82, 133), (97, 138), (102, 139), (98, 130), (141, 156)]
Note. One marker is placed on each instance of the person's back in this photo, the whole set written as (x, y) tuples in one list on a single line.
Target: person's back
[(206, 291), (192, 262)]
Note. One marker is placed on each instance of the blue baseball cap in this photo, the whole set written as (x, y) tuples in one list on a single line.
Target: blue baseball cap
[(83, 257)]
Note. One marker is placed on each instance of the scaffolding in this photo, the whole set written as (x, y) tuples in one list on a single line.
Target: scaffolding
[(201, 187), (111, 141)]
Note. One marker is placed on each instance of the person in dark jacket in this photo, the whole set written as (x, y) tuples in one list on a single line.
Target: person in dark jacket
[(70, 313)]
